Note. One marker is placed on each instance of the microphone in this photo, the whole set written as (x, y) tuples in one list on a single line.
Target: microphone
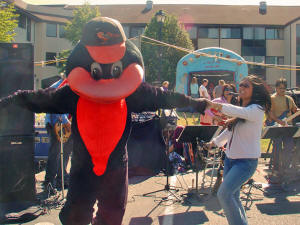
[(234, 94)]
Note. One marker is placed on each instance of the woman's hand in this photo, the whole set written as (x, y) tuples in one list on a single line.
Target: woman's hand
[(210, 145), (217, 119), (214, 105)]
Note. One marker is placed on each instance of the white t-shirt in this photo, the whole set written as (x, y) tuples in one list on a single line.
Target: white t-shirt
[(203, 92), (246, 135)]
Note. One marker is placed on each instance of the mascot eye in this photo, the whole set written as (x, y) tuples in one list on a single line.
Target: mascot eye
[(96, 71), (116, 69)]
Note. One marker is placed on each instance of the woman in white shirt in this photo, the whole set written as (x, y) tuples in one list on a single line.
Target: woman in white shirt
[(243, 144)]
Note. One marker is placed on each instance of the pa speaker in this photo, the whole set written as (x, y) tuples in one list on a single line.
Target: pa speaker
[(17, 179), (16, 73)]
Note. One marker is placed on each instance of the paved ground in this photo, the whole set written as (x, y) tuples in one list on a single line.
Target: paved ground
[(270, 205)]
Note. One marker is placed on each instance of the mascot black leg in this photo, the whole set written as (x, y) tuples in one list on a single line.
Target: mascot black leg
[(112, 198), (78, 209)]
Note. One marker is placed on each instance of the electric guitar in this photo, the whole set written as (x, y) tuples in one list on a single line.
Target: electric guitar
[(282, 117), (66, 132)]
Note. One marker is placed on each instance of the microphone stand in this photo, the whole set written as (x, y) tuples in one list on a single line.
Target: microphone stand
[(62, 161)]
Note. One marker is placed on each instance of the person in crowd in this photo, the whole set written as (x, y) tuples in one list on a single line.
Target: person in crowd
[(165, 86), (203, 91), (218, 90), (194, 88), (243, 144), (53, 167), (210, 89), (203, 94), (282, 106), (213, 117)]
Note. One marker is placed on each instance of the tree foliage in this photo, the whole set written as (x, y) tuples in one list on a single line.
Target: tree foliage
[(73, 29), (81, 16), (161, 61), (8, 22)]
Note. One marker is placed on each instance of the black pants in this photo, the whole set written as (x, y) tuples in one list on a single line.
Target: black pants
[(110, 190), (53, 167)]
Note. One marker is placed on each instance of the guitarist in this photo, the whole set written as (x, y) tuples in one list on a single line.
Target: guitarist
[(53, 167), (282, 106)]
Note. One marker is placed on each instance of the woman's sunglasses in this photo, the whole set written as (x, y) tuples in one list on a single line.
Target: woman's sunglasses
[(228, 89), (245, 85)]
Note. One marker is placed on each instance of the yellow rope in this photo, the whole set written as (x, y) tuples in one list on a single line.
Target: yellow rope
[(160, 43), (280, 67)]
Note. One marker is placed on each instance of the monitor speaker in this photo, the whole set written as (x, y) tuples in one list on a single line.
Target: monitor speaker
[(16, 73), (17, 178)]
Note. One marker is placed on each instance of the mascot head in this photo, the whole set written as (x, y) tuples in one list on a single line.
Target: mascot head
[(104, 66)]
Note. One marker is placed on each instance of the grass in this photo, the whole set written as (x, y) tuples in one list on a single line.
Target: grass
[(193, 119)]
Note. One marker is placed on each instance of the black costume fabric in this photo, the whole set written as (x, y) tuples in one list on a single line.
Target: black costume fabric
[(146, 148), (85, 85)]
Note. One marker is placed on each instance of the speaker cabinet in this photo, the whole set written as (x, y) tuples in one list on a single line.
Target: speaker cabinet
[(17, 179), (16, 73)]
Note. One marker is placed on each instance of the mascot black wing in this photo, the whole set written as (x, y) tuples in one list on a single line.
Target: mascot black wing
[(104, 85)]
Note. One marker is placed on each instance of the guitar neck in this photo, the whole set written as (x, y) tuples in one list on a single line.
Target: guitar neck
[(288, 119)]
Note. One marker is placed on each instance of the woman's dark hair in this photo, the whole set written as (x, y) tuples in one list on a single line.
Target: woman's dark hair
[(260, 96), (231, 86)]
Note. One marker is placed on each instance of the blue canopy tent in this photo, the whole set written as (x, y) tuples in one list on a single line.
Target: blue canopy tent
[(211, 68)]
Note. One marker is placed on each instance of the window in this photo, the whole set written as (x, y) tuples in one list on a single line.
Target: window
[(248, 33), (271, 59), (126, 30), (256, 33), (249, 58), (233, 33), (206, 32), (259, 59), (298, 30), (22, 21), (136, 31), (259, 33), (278, 60), (50, 56), (298, 52), (51, 30), (61, 31), (192, 30), (28, 29), (274, 34), (298, 59)]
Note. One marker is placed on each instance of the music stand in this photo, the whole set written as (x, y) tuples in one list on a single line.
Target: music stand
[(198, 135), (276, 132)]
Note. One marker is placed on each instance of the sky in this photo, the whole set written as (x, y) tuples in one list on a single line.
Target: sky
[(213, 2)]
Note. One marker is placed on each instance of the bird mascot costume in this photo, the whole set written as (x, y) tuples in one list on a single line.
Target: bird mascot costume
[(104, 85)]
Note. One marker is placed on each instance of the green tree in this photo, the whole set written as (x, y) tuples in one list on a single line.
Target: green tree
[(81, 16), (73, 29), (8, 21), (160, 60)]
